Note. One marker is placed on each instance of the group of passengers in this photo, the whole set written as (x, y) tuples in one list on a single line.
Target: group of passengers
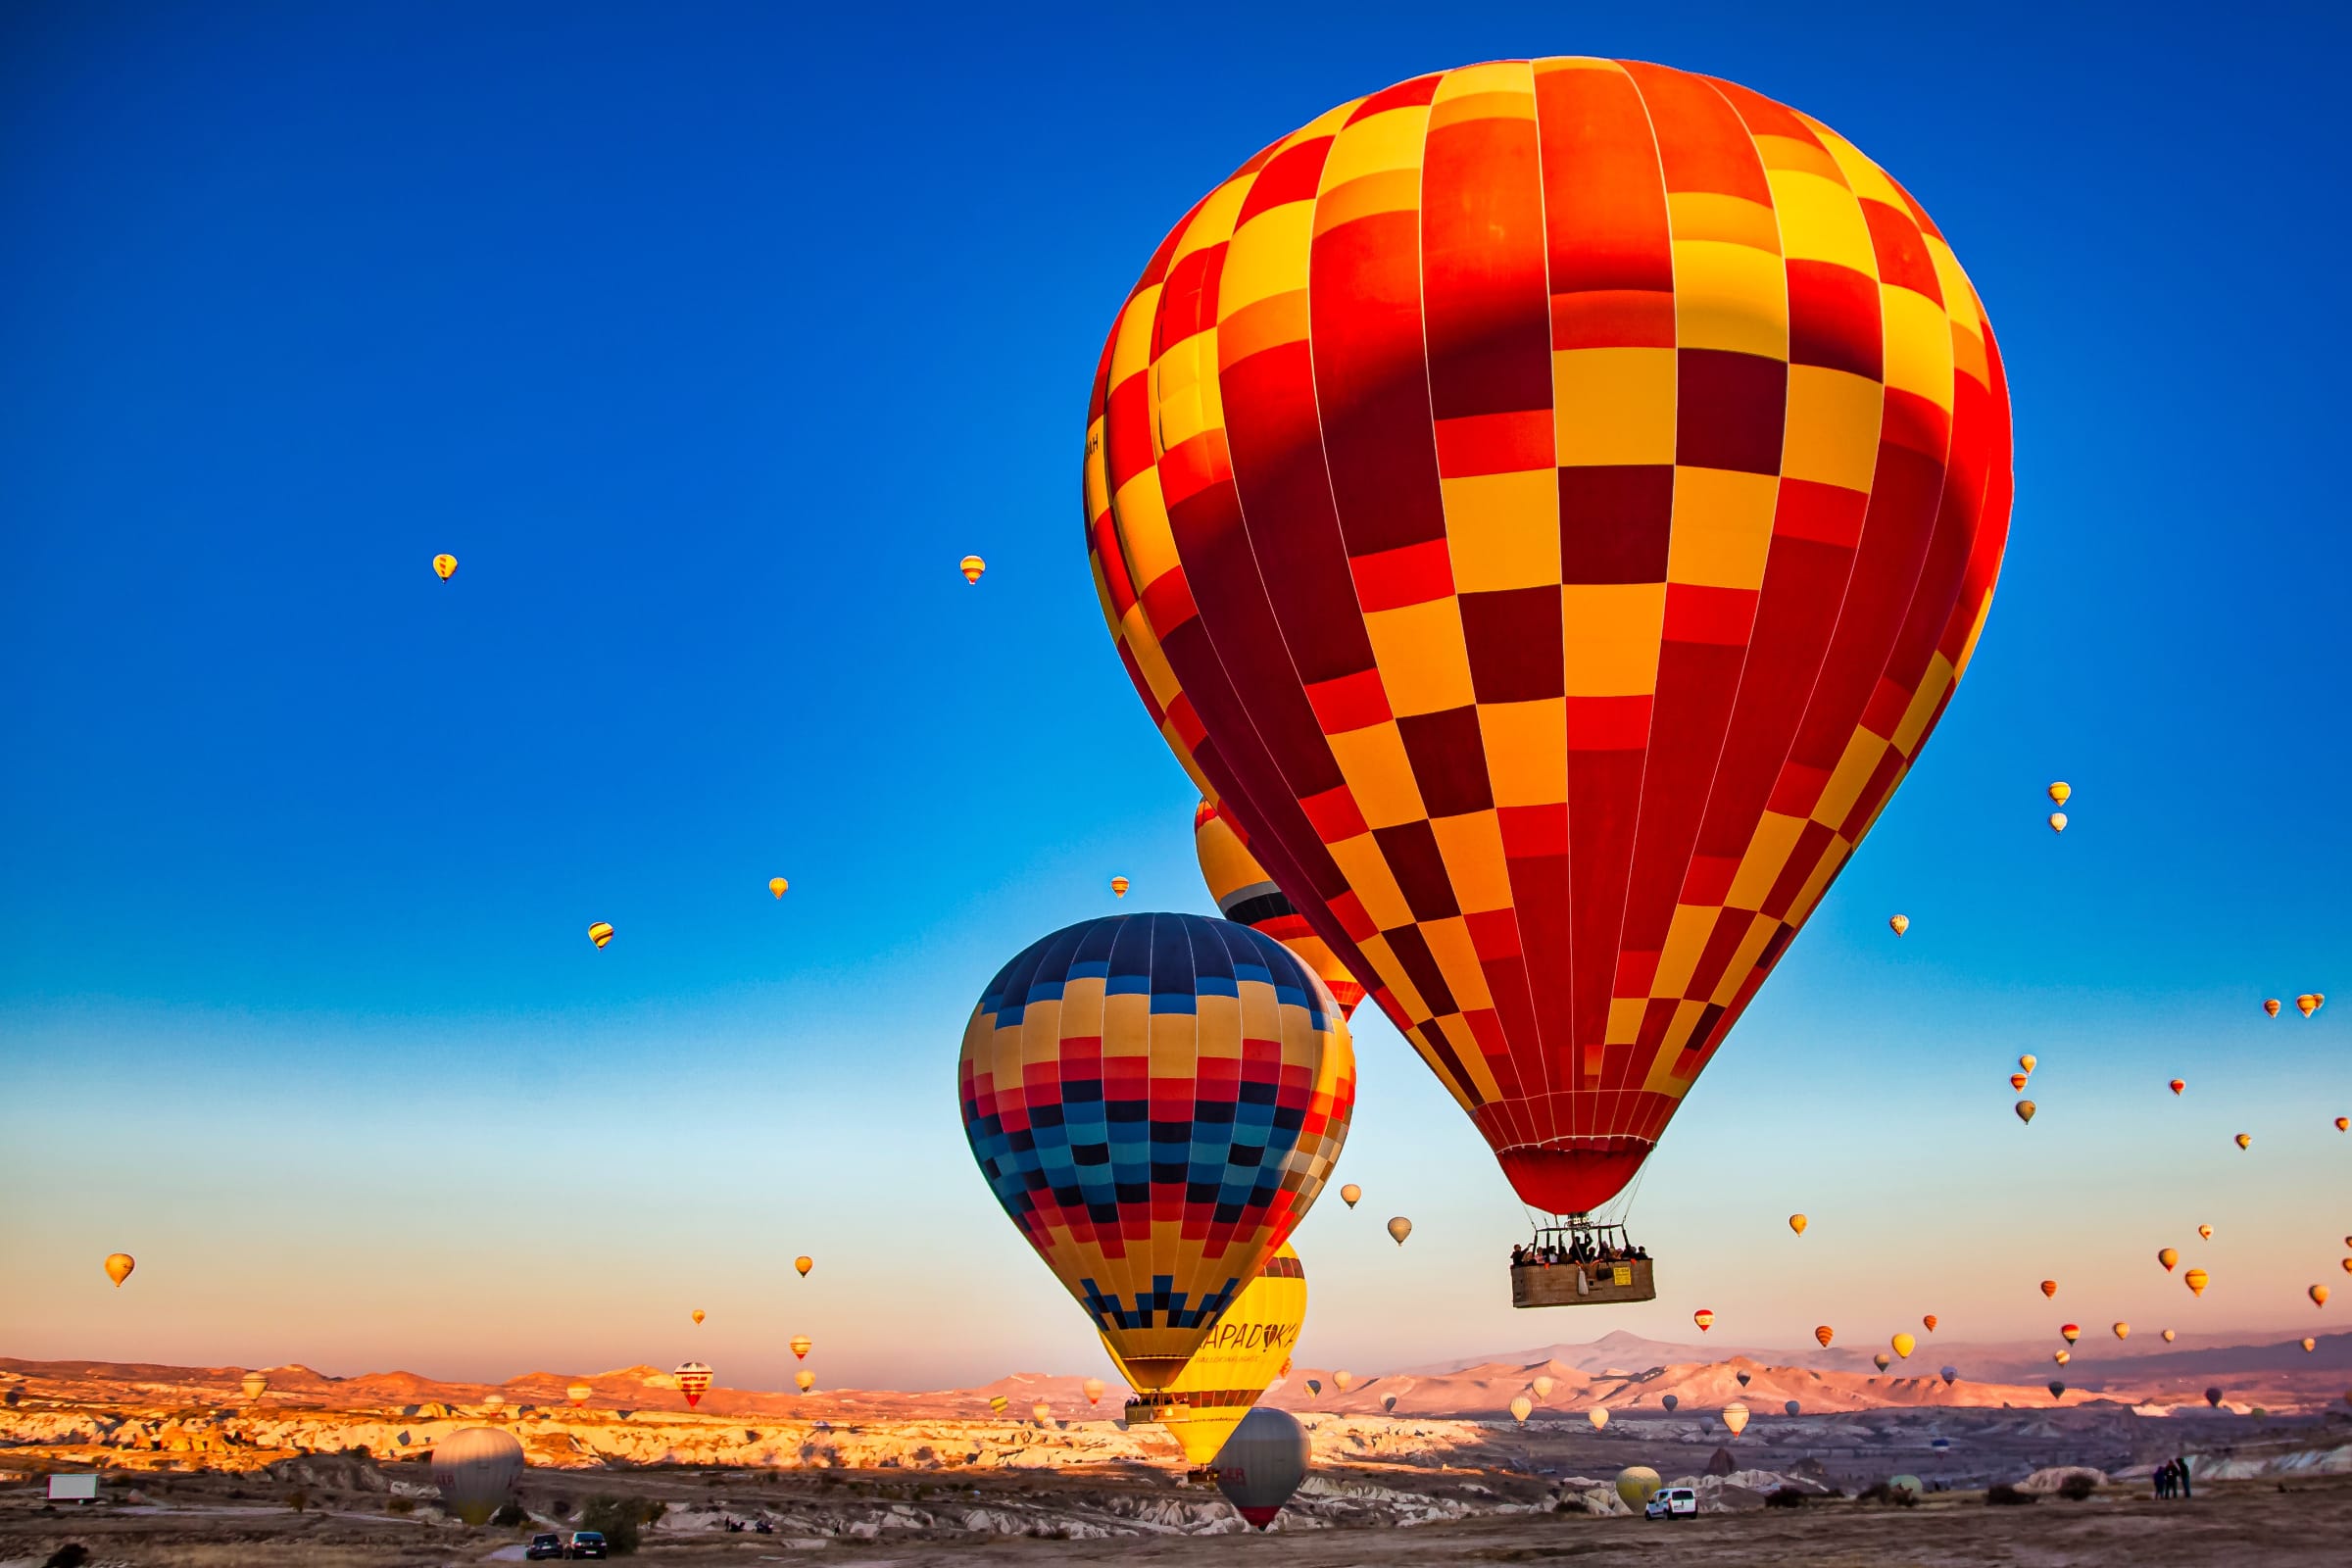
[(1583, 1252)]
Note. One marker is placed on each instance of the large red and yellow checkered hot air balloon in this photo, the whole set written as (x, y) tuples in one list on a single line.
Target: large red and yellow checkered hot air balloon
[(1548, 503), (1247, 895)]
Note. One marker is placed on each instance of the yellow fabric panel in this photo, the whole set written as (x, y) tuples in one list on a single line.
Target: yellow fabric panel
[(1437, 1065), (1142, 518), (1968, 649), (1932, 687), (1503, 79), (1767, 851), (1821, 222), (1575, 62), (1261, 1018), (1448, 942), (1265, 324), (1744, 959), (1389, 190), (1697, 215), (1729, 296), (1682, 1026), (1686, 940), (1866, 177), (1424, 663), (1378, 776), (1212, 224), (1833, 428), (1150, 660), (1609, 635), (1185, 399), (1266, 256), (1613, 406), (1722, 527), (1467, 107), (1527, 750), (1503, 530), (1368, 875), (1097, 472), (1625, 1019), (1919, 344), (1790, 154), (1471, 846), (1833, 856), (1131, 352), (1390, 139), (1862, 752)]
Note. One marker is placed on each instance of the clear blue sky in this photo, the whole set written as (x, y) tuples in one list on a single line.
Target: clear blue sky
[(709, 341)]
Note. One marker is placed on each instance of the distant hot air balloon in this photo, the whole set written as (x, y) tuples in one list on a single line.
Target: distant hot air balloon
[(1262, 1463), (2206, 1231), (578, 1394), (1635, 1485), (2310, 1345), (476, 1468), (1093, 1388), (2049, 1288), (2347, 1262), (1704, 1317), (2195, 1279), (2213, 1396), (1883, 1360), (2070, 1332), (1824, 1334), (1043, 1412), (2057, 1391), (803, 1264), (805, 1380), (972, 566), (2343, 1124), (2027, 1062), (998, 1404), (2243, 1141), (1899, 923), (2062, 1356), (1398, 1229), (1903, 1345), (1742, 1377), (2308, 1003), (600, 933), (1929, 1322), (2318, 1295), (2179, 1084), (1342, 1380), (2168, 1335), (1526, 817), (778, 885), (1314, 1386), (1120, 886), (119, 1266), (2017, 1080), (2168, 1256), (1792, 1407), (1247, 1349), (1521, 1409), (445, 566), (1598, 1415), (1735, 1418), (254, 1384), (2059, 793), (694, 1379), (1350, 1193), (1669, 1400), (1245, 894), (2025, 1110), (1544, 1387), (494, 1403), (2270, 1006), (801, 1344), (1154, 1238), (1797, 1223), (1949, 1374), (2057, 822), (698, 1317)]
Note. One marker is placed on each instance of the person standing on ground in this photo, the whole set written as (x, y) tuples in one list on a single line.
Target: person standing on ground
[(2180, 1469)]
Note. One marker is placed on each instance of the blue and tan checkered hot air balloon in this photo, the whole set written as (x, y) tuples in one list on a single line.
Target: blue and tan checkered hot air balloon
[(1155, 1099)]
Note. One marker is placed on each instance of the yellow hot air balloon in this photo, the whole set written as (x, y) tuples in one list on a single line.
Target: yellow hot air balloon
[(972, 566), (2027, 1064), (2270, 1006), (2205, 1231), (2167, 1336), (2063, 1356), (1599, 1417), (2195, 1279), (1797, 1223), (600, 933), (1904, 1344), (1735, 1416), (2025, 1110), (1637, 1484), (476, 1468), (1343, 1378), (494, 1403), (778, 886), (1247, 1350), (801, 1344), (1245, 894), (2318, 1295), (2310, 1345), (1398, 1229), (1899, 923), (1094, 1388), (2057, 822), (804, 1381), (2059, 793), (803, 1264), (2122, 1330), (1824, 1334), (1120, 886), (2343, 1124), (1350, 1193), (1521, 1409), (119, 1266), (578, 1394), (254, 1384), (698, 1317), (2308, 1003), (2243, 1141), (1544, 1387), (1042, 1412), (445, 566), (2168, 1256)]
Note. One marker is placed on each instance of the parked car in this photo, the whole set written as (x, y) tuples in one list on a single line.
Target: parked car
[(1672, 1502), (545, 1546), (588, 1543)]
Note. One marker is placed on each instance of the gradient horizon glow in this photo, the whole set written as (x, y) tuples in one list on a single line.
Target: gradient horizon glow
[(709, 347)]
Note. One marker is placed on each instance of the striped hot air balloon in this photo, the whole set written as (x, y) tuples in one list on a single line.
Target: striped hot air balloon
[(1262, 1464), (1243, 1353), (693, 1381), (476, 1468)]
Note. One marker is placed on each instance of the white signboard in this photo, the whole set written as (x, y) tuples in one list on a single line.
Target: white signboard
[(73, 1488)]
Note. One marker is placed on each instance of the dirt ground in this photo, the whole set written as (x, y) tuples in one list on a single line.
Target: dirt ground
[(2229, 1523)]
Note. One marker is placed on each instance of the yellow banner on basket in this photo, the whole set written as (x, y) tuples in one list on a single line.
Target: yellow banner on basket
[(1621, 1276)]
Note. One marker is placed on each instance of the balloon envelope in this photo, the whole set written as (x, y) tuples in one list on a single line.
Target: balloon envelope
[(2025, 1110), (1704, 1318), (1900, 923), (1398, 1229), (778, 886), (445, 565), (2195, 1279), (1599, 1417), (1903, 1345), (694, 1380), (254, 1384), (1521, 1409), (1669, 1400), (1155, 1100), (971, 567), (2213, 1396), (1797, 1223), (2270, 1006), (1949, 1374), (2057, 1390), (1883, 1360), (578, 1393), (803, 1264), (119, 1266), (805, 1380), (2059, 793), (1247, 895), (1094, 1388), (1262, 1463), (2049, 1287), (2318, 1295), (1227, 1375), (1929, 1322), (1792, 1407), (1343, 1378), (801, 1345), (1824, 1334), (1043, 1412), (1544, 1387), (1734, 1417), (1350, 1193), (600, 933), (476, 1468), (1392, 514), (1636, 1483)]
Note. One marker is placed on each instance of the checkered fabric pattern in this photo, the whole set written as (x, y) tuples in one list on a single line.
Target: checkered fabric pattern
[(1156, 1099), (1247, 895), (1245, 1353), (1548, 505)]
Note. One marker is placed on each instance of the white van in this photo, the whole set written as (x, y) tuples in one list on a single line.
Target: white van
[(1672, 1502)]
